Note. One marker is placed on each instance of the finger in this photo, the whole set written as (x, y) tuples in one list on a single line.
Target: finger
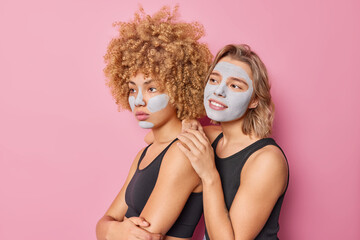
[(200, 136), (139, 221), (157, 236), (201, 129), (154, 236), (185, 150), (191, 142), (139, 233), (194, 125), (142, 234), (185, 124)]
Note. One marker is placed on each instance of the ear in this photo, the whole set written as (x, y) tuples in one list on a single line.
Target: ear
[(254, 103)]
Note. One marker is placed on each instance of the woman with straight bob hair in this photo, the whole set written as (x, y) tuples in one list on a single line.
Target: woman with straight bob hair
[(244, 172)]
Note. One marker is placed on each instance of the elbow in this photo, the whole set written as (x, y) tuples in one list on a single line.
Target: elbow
[(101, 228)]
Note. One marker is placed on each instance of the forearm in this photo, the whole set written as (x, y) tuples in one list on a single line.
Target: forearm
[(217, 218)]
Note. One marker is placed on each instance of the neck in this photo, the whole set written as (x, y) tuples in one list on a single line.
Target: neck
[(168, 131), (232, 132)]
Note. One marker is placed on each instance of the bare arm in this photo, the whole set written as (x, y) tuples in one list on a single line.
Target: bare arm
[(175, 182), (114, 225), (263, 180)]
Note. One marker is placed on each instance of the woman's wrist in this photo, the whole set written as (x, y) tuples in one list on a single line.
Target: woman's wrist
[(210, 178)]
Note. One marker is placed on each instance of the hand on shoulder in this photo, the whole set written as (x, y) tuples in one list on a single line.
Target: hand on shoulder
[(176, 160), (211, 131), (198, 150), (177, 168)]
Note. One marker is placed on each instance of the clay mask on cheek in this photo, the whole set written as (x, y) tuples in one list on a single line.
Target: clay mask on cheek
[(155, 104), (158, 103), (233, 104)]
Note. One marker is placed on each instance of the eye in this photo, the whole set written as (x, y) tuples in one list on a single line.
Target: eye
[(152, 89), (132, 90), (235, 86), (212, 81)]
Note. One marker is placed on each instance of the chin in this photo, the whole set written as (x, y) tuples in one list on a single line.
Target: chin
[(215, 118), (146, 125)]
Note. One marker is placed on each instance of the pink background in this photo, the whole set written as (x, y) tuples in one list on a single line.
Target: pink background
[(65, 150)]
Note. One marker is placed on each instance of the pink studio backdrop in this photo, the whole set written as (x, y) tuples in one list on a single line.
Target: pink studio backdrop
[(65, 150)]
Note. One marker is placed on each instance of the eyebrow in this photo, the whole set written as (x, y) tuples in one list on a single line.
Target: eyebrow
[(239, 80), (231, 78), (145, 83), (216, 74), (148, 81)]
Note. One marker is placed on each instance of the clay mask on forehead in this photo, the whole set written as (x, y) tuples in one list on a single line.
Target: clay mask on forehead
[(155, 104), (228, 105)]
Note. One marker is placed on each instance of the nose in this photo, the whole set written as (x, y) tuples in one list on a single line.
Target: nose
[(220, 90), (139, 101)]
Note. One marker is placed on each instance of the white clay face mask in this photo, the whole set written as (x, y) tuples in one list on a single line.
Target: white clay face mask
[(155, 104), (223, 104)]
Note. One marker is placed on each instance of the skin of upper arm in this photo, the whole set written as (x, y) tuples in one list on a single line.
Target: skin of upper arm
[(212, 131), (118, 207), (175, 182), (263, 180)]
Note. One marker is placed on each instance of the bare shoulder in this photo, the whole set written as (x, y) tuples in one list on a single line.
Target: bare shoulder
[(175, 158), (175, 166), (269, 158), (269, 165), (212, 131)]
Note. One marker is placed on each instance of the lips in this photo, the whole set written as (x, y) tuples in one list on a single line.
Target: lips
[(141, 116), (217, 105)]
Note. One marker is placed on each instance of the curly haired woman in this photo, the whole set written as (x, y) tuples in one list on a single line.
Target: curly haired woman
[(156, 68), (244, 172)]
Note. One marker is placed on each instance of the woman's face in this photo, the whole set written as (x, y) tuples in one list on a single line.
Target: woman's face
[(150, 106), (228, 91)]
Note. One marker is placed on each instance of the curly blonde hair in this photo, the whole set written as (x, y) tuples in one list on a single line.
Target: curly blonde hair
[(257, 121), (162, 48)]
